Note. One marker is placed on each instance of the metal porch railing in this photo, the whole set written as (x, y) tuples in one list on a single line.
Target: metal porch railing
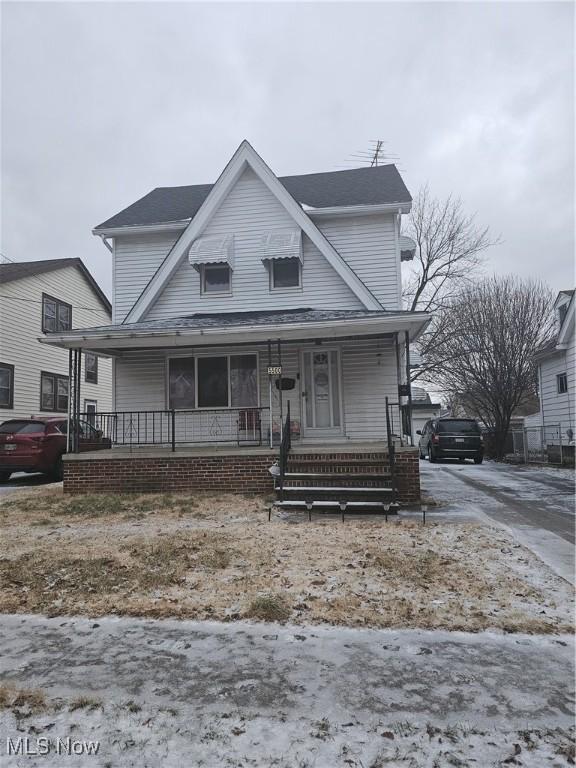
[(243, 426)]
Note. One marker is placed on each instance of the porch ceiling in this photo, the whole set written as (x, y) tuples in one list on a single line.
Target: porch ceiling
[(241, 328)]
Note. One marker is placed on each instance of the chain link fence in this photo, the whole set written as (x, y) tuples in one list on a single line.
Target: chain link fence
[(548, 444)]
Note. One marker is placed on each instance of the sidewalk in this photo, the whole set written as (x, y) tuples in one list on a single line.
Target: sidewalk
[(201, 693)]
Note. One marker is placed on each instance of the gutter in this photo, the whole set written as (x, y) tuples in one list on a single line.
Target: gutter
[(181, 224), (421, 318)]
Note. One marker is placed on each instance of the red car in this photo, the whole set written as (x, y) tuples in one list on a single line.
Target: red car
[(37, 445)]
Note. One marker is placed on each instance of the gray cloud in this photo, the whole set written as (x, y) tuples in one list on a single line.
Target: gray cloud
[(104, 101)]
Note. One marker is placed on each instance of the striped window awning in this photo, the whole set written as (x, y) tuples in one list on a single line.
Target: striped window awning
[(216, 249), (282, 245)]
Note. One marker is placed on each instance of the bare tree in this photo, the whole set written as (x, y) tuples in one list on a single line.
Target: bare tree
[(449, 252), (485, 354)]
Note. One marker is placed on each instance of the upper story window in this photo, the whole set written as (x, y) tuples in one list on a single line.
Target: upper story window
[(283, 255), (91, 368), (285, 273), (216, 278), (562, 383), (6, 385), (56, 314), (562, 311)]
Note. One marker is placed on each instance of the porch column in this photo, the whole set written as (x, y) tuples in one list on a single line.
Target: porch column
[(409, 386)]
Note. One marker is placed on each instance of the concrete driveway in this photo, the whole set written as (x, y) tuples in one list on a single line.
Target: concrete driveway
[(535, 504), (23, 480)]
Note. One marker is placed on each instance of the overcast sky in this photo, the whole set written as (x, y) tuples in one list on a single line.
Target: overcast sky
[(101, 102)]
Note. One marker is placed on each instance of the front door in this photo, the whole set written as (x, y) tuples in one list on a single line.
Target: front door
[(321, 395)]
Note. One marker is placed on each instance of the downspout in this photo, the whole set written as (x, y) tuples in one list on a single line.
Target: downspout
[(409, 385), (106, 243)]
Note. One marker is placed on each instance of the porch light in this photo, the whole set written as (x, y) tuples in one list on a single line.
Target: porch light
[(217, 249)]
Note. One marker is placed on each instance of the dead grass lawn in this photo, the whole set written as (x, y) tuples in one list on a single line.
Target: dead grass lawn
[(212, 556)]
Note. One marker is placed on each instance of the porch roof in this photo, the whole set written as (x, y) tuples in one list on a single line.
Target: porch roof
[(240, 328)]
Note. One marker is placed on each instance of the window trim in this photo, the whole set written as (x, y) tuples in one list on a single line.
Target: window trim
[(227, 355), (562, 377), (203, 291), (55, 377), (274, 288), (9, 367), (86, 371), (59, 303)]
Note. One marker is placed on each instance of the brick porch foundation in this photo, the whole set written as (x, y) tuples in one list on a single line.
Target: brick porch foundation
[(164, 472)]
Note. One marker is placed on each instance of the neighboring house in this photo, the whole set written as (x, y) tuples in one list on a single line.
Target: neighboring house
[(54, 295), (556, 377), (423, 409), (233, 300)]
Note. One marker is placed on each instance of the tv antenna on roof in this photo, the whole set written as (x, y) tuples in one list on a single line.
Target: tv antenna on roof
[(374, 155)]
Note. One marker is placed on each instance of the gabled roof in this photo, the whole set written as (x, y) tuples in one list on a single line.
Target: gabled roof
[(244, 157), (21, 269), (381, 185)]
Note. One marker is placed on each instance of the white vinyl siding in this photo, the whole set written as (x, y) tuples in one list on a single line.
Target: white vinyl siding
[(558, 408), (248, 212), (21, 325), (368, 376), (136, 259), (369, 245)]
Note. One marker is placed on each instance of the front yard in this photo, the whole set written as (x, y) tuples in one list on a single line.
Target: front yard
[(217, 557)]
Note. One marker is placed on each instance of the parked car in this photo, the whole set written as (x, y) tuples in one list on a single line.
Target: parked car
[(451, 439), (38, 444)]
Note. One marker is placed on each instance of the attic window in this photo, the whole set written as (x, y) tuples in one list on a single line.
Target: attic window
[(282, 245), (217, 249)]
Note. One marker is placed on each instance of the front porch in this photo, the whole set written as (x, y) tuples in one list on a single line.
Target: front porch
[(154, 469), (325, 381)]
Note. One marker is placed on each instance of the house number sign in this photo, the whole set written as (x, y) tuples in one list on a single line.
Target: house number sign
[(274, 370)]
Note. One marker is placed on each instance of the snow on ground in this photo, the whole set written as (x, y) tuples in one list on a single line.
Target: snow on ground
[(186, 694), (536, 507)]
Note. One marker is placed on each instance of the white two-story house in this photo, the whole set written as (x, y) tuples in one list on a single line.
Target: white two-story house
[(237, 301), (36, 297), (557, 380)]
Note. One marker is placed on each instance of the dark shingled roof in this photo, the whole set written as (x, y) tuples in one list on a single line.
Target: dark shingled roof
[(358, 186), (239, 319), (20, 269)]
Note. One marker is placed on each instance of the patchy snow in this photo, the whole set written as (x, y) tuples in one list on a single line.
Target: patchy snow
[(536, 507), (186, 693)]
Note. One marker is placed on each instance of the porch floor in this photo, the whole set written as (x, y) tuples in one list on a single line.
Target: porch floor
[(161, 451)]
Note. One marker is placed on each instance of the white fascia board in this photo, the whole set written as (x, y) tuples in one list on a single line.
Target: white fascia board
[(181, 224), (354, 210), (244, 156), (130, 339), (567, 326), (143, 229)]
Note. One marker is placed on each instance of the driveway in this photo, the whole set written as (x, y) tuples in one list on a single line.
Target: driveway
[(176, 693), (536, 504), (23, 480)]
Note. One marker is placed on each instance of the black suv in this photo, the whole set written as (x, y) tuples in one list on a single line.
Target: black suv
[(451, 439)]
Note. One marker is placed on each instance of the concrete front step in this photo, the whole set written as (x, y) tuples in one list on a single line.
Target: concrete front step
[(374, 507), (336, 493)]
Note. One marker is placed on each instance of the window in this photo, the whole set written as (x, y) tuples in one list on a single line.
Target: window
[(285, 273), (226, 381), (6, 385), (56, 315), (90, 368), (182, 382), (90, 409), (216, 278), (53, 392), (562, 383)]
